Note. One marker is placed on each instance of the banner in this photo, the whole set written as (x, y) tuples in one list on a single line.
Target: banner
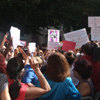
[(68, 45), (15, 34), (78, 36)]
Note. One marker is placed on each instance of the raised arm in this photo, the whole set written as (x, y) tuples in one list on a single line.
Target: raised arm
[(34, 92), (3, 41), (8, 47)]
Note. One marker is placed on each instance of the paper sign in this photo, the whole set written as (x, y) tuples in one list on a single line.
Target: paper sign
[(95, 34), (15, 34), (53, 35), (94, 21), (52, 45), (22, 43), (68, 45), (79, 36), (32, 47)]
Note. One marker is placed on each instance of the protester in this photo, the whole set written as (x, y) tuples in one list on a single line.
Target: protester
[(82, 71), (57, 75), (70, 56), (88, 52), (4, 91), (21, 91)]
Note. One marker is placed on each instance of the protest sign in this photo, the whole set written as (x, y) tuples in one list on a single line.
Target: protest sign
[(15, 34), (94, 21), (22, 43), (53, 35), (52, 45), (32, 47), (78, 36), (95, 34), (68, 45)]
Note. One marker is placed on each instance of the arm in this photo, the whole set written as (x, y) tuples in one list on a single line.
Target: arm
[(5, 94), (25, 57), (84, 89), (3, 41), (34, 92), (7, 48)]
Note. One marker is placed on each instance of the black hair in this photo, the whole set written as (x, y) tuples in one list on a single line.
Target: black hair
[(83, 67), (14, 70), (88, 49), (70, 57)]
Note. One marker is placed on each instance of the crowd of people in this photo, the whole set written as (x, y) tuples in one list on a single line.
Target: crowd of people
[(48, 74)]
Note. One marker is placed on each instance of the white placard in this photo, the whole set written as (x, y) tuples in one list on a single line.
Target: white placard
[(52, 45), (32, 47), (94, 21), (78, 36), (53, 35), (15, 34), (95, 34), (22, 43)]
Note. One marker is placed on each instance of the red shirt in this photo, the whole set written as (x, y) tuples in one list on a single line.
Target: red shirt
[(22, 90), (96, 72)]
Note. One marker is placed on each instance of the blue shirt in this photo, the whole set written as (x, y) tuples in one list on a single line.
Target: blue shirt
[(61, 90), (29, 76)]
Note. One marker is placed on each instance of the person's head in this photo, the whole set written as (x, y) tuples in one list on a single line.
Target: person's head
[(88, 49), (57, 67), (39, 61), (82, 69), (70, 56), (2, 64), (14, 69)]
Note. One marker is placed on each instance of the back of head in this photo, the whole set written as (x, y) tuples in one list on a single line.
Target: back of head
[(57, 67), (70, 56), (83, 67), (38, 59), (88, 49), (14, 70)]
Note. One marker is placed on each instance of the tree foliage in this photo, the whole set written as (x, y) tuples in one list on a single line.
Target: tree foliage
[(30, 15)]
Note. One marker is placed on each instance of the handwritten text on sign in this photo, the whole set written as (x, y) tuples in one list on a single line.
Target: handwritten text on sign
[(79, 36), (53, 45), (15, 34), (94, 21)]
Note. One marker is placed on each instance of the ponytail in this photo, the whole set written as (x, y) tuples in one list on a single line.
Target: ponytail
[(14, 89)]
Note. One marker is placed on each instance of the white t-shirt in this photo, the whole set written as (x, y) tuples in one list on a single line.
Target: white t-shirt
[(74, 79)]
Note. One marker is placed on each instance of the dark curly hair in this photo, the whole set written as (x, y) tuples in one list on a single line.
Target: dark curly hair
[(83, 67)]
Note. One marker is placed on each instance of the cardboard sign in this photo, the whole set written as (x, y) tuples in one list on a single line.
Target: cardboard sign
[(15, 34), (32, 47), (68, 45), (53, 35), (52, 45), (79, 36)]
